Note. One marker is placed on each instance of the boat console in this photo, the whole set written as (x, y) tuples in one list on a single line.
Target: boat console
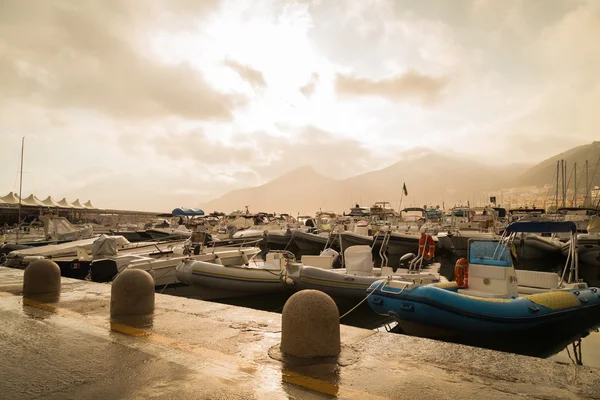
[(491, 272)]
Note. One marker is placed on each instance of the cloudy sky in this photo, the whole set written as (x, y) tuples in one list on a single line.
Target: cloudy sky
[(176, 102)]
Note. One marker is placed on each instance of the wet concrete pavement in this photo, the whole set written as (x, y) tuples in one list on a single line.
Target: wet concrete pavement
[(196, 350)]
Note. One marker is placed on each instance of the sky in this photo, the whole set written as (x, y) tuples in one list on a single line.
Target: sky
[(177, 102)]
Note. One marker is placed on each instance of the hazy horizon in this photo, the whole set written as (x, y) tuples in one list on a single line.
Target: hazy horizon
[(179, 102)]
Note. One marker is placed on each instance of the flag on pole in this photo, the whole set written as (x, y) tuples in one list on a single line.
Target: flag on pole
[(404, 189)]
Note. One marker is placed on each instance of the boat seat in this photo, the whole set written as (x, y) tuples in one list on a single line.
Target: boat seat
[(536, 279), (359, 260)]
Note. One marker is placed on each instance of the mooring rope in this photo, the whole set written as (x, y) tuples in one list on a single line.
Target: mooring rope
[(363, 300)]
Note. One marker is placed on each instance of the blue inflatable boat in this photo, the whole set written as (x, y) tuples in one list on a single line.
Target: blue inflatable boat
[(488, 298)]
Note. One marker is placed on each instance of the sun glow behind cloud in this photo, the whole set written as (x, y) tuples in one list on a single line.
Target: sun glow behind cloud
[(236, 90)]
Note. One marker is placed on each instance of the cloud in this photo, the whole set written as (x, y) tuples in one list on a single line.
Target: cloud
[(411, 85), (308, 89), (265, 155), (96, 57), (328, 152), (196, 145), (248, 74)]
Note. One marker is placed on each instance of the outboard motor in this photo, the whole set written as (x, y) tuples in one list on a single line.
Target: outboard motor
[(103, 270), (406, 259)]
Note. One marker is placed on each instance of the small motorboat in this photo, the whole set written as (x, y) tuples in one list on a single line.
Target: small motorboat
[(316, 272), (588, 244), (531, 246), (312, 243), (588, 248), (485, 297), (160, 264), (235, 274)]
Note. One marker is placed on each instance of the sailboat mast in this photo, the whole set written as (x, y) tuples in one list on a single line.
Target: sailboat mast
[(557, 175), (20, 186), (575, 194), (587, 188), (563, 174)]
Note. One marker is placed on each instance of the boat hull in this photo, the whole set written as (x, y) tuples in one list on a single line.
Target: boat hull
[(588, 249), (534, 247), (74, 269), (311, 244), (335, 284), (449, 311), (230, 281), (279, 241)]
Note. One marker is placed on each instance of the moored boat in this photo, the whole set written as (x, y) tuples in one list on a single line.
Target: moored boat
[(487, 300), (588, 244), (161, 265), (235, 274), (312, 244), (316, 272)]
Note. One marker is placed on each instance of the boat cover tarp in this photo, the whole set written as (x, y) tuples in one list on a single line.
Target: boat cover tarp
[(187, 212), (56, 250), (539, 227), (106, 246)]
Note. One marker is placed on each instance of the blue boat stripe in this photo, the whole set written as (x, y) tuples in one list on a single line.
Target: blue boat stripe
[(485, 317)]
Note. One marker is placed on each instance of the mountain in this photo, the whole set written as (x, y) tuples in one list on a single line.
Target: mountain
[(545, 172), (302, 190), (430, 177)]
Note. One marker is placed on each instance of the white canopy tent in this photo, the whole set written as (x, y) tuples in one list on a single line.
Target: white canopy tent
[(89, 205), (50, 202), (77, 204), (64, 203), (10, 198), (32, 201)]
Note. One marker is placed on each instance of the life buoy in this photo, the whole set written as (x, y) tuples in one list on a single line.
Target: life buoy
[(426, 246), (461, 272)]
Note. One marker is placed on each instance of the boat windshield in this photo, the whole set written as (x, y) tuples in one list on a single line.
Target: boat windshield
[(489, 252)]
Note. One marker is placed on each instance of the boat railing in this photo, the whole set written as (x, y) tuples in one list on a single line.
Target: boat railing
[(331, 237), (240, 245), (383, 249)]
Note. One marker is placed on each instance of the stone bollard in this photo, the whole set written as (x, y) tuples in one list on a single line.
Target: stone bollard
[(41, 281), (310, 325), (132, 294)]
